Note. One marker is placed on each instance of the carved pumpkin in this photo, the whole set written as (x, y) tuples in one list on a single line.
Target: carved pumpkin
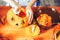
[(15, 20)]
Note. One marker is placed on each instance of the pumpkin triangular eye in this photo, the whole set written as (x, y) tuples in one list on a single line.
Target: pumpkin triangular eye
[(17, 24), (12, 19)]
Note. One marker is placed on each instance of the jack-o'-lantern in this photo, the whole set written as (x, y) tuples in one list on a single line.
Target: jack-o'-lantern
[(15, 20)]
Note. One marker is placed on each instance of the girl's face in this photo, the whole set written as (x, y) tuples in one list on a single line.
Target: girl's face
[(44, 20)]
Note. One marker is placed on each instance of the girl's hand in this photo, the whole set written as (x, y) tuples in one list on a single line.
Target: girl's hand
[(29, 14)]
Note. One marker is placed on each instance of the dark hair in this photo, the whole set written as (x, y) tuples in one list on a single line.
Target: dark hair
[(51, 12)]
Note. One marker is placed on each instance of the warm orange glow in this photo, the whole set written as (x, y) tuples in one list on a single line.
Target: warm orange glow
[(26, 32), (17, 33)]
